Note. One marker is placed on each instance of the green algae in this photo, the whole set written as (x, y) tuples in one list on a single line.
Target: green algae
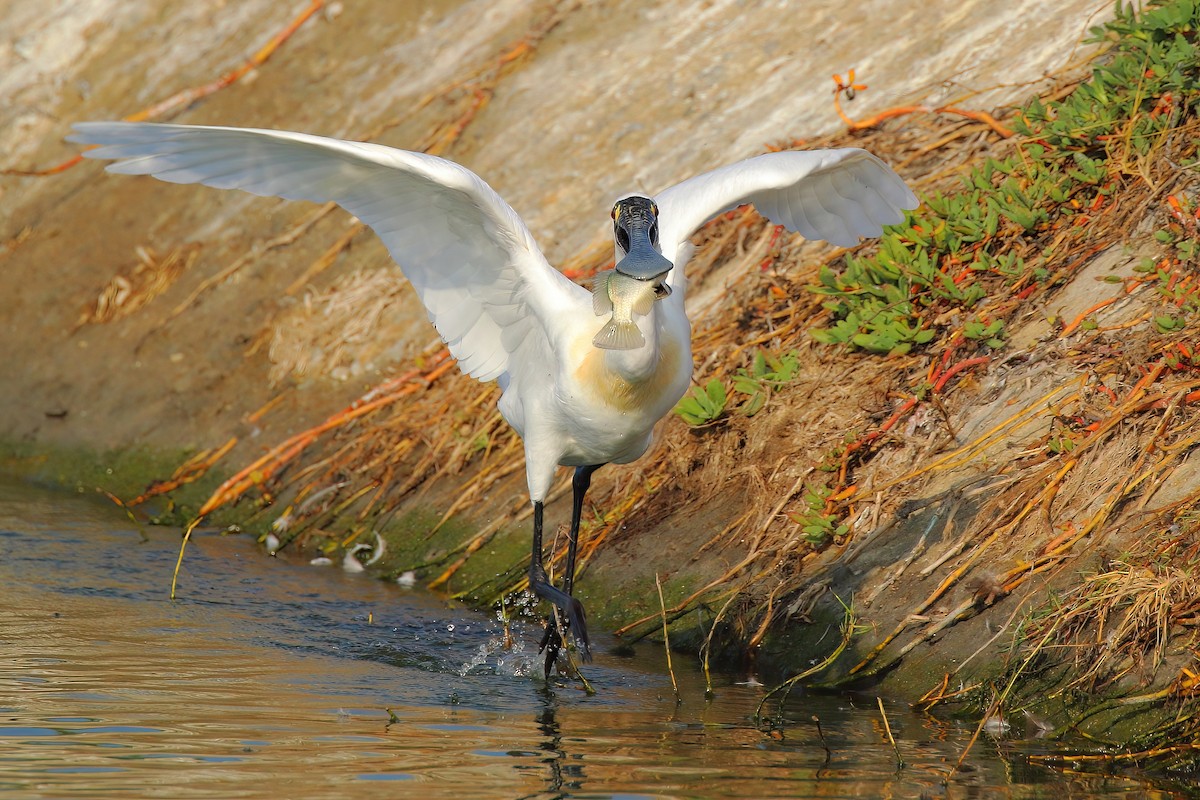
[(123, 473)]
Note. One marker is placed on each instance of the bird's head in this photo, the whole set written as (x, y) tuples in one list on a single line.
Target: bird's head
[(635, 231)]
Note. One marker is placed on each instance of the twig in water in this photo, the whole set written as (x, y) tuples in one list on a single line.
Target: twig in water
[(820, 733), (504, 619), (666, 640), (128, 512), (887, 727), (995, 705), (707, 648), (568, 649), (187, 535), (587, 686)]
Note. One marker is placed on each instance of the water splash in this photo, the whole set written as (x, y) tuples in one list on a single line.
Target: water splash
[(501, 656)]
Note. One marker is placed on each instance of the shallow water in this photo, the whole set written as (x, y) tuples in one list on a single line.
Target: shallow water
[(272, 679)]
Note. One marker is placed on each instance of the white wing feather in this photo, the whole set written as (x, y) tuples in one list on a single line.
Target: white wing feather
[(837, 195), (470, 258)]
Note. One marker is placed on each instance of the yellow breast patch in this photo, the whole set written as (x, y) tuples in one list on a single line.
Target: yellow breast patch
[(621, 394)]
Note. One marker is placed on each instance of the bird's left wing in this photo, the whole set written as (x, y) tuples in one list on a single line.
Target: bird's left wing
[(836, 195), (470, 258)]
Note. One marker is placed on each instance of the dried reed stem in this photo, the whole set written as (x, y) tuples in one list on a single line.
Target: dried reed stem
[(667, 638), (887, 726)]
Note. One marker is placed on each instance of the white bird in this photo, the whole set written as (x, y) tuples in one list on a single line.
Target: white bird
[(582, 391)]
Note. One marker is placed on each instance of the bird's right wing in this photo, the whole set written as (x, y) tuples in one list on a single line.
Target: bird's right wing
[(837, 195), (483, 280)]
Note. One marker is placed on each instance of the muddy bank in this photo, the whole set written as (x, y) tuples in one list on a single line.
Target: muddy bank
[(153, 323)]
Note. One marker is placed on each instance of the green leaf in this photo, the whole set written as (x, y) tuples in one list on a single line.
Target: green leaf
[(702, 406), (754, 404), (1166, 323), (716, 394)]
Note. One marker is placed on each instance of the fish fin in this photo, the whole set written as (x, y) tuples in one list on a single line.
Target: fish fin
[(601, 302), (619, 336), (644, 304)]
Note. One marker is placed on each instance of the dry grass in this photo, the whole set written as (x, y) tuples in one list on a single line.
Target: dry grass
[(133, 288), (332, 333), (1124, 621)]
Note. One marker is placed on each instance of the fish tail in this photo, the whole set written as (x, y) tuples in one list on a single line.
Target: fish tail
[(619, 336)]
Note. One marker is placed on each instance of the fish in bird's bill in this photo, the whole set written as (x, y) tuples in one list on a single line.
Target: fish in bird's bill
[(622, 296)]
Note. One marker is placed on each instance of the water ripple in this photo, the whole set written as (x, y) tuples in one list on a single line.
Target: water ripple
[(268, 679)]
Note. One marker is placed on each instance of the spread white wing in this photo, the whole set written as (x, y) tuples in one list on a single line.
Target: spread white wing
[(836, 195), (487, 287)]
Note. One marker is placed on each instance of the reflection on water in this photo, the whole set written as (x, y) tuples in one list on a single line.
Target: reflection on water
[(269, 679)]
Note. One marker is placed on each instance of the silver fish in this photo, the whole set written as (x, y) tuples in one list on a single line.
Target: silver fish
[(622, 297)]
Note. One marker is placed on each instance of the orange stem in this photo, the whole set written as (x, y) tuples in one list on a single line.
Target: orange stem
[(899, 111), (1075, 323), (280, 455), (957, 368)]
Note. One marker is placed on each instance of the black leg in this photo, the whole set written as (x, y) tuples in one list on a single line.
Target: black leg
[(579, 484), (541, 586), (551, 641), (550, 644)]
